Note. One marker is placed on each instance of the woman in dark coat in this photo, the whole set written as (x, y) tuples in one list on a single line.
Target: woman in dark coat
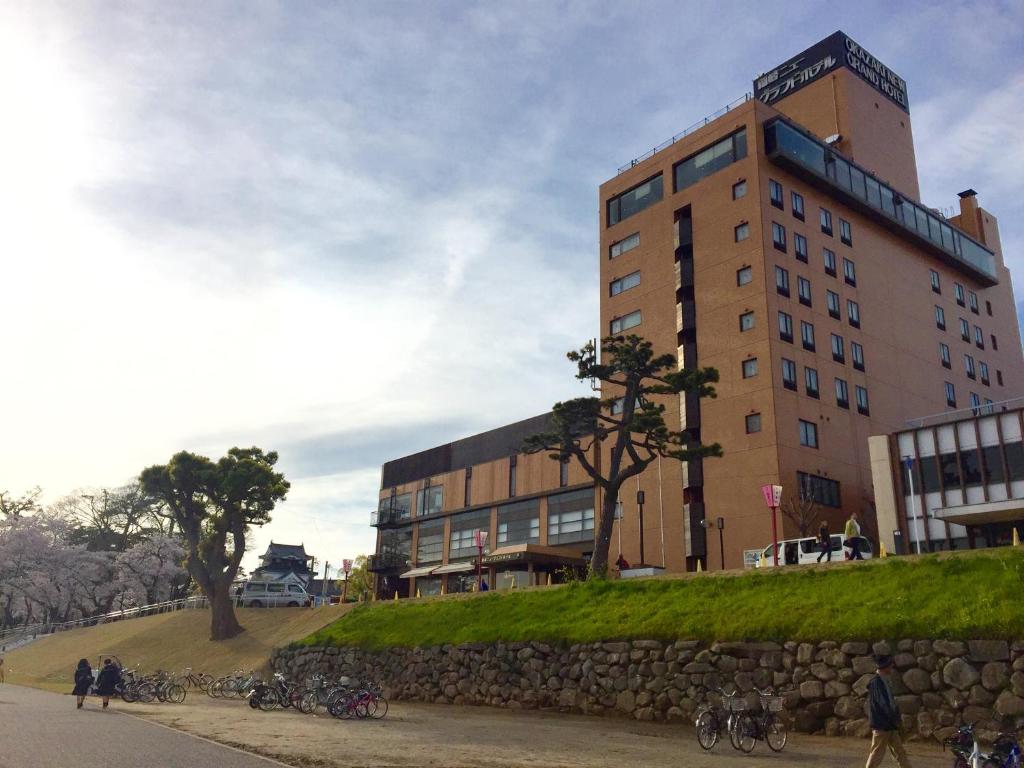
[(106, 683), (83, 679)]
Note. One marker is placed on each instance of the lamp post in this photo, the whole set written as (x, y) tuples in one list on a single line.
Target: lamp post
[(772, 496), (618, 516), (720, 524), (481, 540), (908, 462), (640, 506)]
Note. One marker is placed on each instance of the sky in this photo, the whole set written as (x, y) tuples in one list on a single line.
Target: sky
[(350, 231)]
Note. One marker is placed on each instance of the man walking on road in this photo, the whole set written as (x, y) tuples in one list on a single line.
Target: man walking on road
[(884, 716), (853, 537)]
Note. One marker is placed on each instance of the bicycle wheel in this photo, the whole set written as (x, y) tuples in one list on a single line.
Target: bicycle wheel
[(204, 681), (161, 692), (343, 707), (147, 692), (775, 734), (269, 700), (176, 693), (707, 729), (380, 707), (130, 694), (743, 734), (214, 689), (309, 702)]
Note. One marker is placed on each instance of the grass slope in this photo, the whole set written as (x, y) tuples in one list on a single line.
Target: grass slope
[(167, 641), (959, 595)]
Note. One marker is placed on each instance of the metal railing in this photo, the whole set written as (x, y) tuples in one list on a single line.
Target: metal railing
[(967, 413), (48, 628), (686, 132)]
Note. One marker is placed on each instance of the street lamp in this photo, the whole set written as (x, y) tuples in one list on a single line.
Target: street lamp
[(908, 462)]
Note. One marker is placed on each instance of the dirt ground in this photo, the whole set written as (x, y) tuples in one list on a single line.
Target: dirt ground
[(422, 735)]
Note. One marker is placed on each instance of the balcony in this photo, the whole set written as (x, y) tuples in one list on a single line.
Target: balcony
[(823, 167), (382, 562), (390, 517)]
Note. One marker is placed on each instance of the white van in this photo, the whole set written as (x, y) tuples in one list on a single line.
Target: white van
[(806, 550), (273, 594)]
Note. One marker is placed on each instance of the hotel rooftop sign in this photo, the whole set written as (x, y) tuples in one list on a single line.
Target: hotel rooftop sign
[(836, 50)]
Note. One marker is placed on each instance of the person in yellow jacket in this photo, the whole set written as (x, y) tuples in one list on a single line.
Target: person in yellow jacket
[(853, 537)]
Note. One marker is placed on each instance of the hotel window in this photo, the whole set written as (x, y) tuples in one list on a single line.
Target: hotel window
[(969, 366), (842, 394), (742, 232), (979, 338), (739, 189), (796, 201), (826, 222), (845, 233), (950, 395), (634, 200), (746, 321), (965, 330), (782, 281), (462, 540), (830, 261), (430, 544), (800, 247), (749, 368), (849, 272), (785, 327), (820, 489), (789, 374), (808, 434), (512, 461), (853, 312), (988, 307), (775, 193), (958, 292), (857, 354), (807, 335), (838, 353), (975, 401), (995, 345), (999, 377), (519, 523), (571, 517), (753, 423), (803, 290), (862, 401), (563, 473), (429, 500), (632, 280), (983, 371), (972, 300), (811, 382), (744, 275), (624, 323), (936, 286), (779, 236), (944, 355), (467, 489), (940, 318), (832, 299), (624, 246), (706, 162)]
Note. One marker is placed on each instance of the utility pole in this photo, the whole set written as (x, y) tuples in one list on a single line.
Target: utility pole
[(720, 522), (323, 584), (640, 506)]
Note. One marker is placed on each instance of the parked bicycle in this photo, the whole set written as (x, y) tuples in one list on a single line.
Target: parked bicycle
[(1006, 750), (713, 721), (190, 679), (766, 726)]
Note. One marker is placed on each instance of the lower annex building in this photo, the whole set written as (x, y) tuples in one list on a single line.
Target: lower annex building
[(785, 244)]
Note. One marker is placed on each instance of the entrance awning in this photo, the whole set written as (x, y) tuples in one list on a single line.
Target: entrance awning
[(455, 568), (534, 553), (1005, 511), (417, 572)]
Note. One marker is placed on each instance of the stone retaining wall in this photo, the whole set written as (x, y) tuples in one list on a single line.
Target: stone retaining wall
[(823, 684)]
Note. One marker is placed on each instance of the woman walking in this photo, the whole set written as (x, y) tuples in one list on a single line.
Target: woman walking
[(825, 542), (83, 679), (106, 683)]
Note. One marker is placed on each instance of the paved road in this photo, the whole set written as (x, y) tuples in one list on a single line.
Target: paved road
[(44, 730)]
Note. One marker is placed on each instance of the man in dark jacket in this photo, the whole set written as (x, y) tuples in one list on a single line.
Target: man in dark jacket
[(884, 716)]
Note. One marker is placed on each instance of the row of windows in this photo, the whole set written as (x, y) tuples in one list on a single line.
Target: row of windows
[(685, 173), (807, 338), (975, 398), (742, 232), (782, 287), (958, 292), (965, 330), (749, 368), (775, 195), (973, 467)]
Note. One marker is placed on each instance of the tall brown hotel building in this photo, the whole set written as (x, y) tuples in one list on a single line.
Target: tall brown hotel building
[(784, 243)]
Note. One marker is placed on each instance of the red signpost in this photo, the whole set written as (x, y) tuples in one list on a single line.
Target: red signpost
[(480, 538), (346, 566), (772, 497)]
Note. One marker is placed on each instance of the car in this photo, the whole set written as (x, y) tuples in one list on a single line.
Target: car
[(273, 594), (806, 550)]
